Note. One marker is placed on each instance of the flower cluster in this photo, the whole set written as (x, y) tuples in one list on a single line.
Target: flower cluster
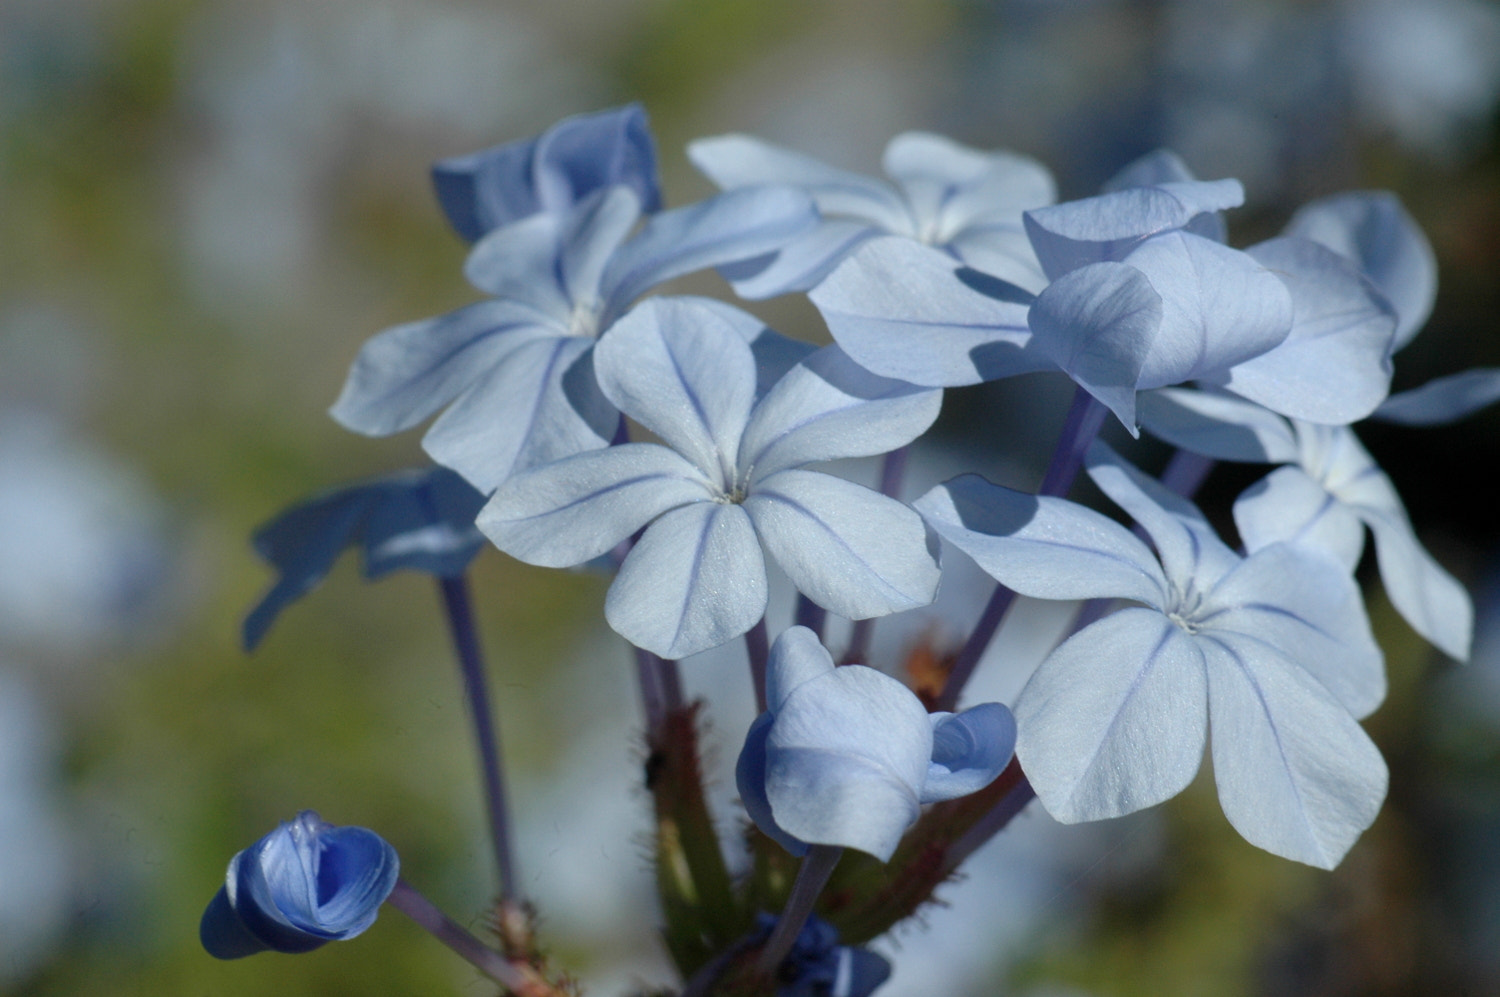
[(964, 270)]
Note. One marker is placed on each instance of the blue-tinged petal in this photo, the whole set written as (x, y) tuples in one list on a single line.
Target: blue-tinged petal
[(1386, 244), (828, 407), (1434, 602), (491, 188), (1217, 425), (774, 353), (1444, 399), (1098, 325), (969, 750), (1220, 307), (1046, 548), (1115, 719), (906, 310), (1335, 366), (595, 230), (682, 371), (304, 884), (738, 225), (950, 186), (1297, 775), (569, 511), (303, 543), (796, 657), (1164, 166), (848, 549), (695, 580), (422, 520), (1191, 552), (802, 263), (1108, 227), (1286, 506), (518, 263), (1306, 605), (541, 404), (735, 161), (406, 373), (1001, 250), (587, 152), (846, 758), (750, 780)]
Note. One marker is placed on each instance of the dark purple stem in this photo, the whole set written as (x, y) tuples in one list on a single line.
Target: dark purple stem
[(517, 978), (758, 649), (1186, 472), (812, 876), (1085, 417), (810, 615), (476, 688)]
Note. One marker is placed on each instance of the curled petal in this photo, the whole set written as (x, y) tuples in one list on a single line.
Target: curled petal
[(846, 758), (1335, 365), (1434, 602), (578, 155), (1444, 399), (969, 750), (1098, 325), (850, 550), (1047, 548), (695, 580), (1372, 229), (304, 884), (909, 311), (1217, 425), (422, 520), (1220, 307), (1108, 227)]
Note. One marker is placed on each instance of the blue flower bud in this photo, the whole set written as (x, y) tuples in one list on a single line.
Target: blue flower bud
[(305, 883)]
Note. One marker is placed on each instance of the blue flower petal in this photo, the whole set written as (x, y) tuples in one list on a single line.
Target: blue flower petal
[(304, 884), (969, 750), (486, 190), (1373, 230), (1444, 399), (421, 520)]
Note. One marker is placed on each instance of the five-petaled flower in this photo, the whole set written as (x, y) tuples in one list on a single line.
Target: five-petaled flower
[(728, 481), (1274, 648)]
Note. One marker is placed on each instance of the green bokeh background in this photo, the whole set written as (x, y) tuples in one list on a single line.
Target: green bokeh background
[(177, 750)]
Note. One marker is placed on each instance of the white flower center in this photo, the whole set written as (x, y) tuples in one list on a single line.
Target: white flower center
[(584, 322), (1186, 609)]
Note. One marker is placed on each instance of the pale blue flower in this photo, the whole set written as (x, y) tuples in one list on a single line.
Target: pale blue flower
[(1144, 293), (515, 372), (1273, 651), (965, 202), (1375, 233), (728, 482), (420, 519), (818, 966), (1137, 300), (1331, 490), (303, 885), (847, 755), (551, 173)]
